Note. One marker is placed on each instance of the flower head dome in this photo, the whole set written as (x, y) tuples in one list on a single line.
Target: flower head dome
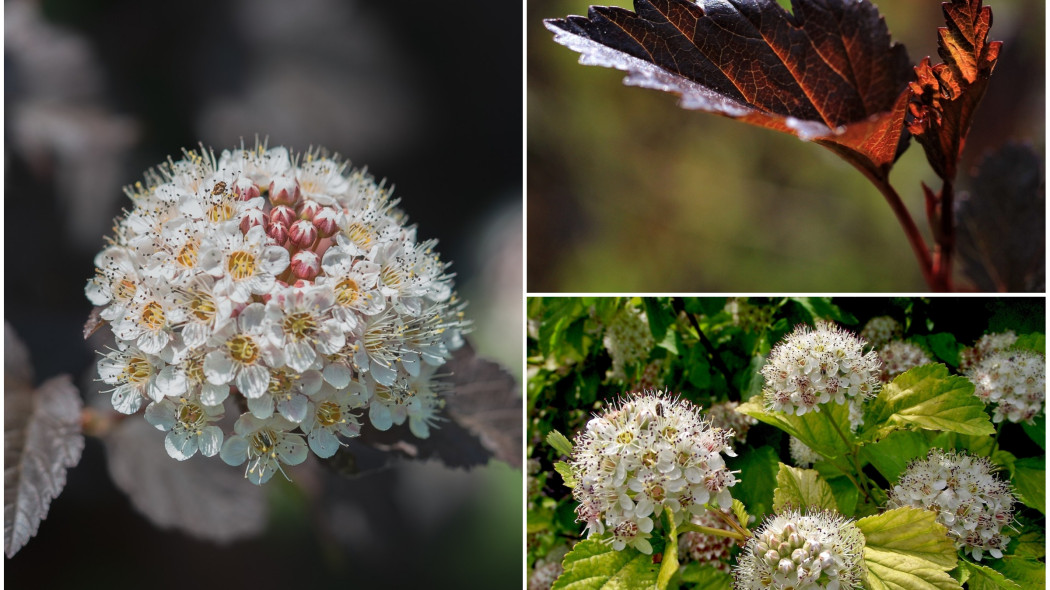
[(814, 551), (880, 330), (898, 357), (815, 366), (968, 498), (985, 346), (289, 285), (1014, 381), (645, 453), (802, 455)]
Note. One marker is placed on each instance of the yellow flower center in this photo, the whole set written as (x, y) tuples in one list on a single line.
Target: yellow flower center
[(329, 414), (125, 290), (360, 235), (241, 265), (221, 211), (138, 370), (299, 326), (187, 257), (347, 292), (263, 442), (152, 316), (191, 416), (202, 306), (243, 349)]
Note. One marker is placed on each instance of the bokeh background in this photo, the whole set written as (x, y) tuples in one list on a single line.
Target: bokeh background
[(427, 96), (629, 193)]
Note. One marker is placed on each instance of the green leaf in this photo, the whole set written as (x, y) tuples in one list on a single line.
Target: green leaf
[(660, 317), (846, 494), (927, 397), (821, 308), (1029, 573), (706, 576), (1004, 459), (801, 489), (756, 381), (1036, 342), (985, 578), (1029, 482), (817, 430), (907, 549), (559, 442), (740, 512), (565, 471), (669, 563), (758, 475), (891, 455), (1037, 431), (945, 347), (1030, 543), (594, 565)]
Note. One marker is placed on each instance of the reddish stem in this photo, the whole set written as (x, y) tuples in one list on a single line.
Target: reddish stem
[(945, 237), (918, 243)]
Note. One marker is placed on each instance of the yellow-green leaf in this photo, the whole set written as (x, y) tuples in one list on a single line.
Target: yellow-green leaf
[(907, 549), (594, 565), (927, 397), (817, 430), (985, 578), (559, 442), (801, 489)]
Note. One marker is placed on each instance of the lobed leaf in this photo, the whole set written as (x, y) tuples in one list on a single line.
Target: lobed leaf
[(891, 455), (985, 578), (907, 549), (945, 96), (819, 431), (1028, 573), (559, 442), (1001, 223), (200, 496), (927, 397), (802, 489), (827, 73), (594, 565), (41, 441)]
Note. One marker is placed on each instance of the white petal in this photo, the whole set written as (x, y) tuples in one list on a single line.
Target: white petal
[(294, 409), (161, 414), (338, 375), (126, 399), (253, 380), (210, 441), (323, 443), (380, 416), (171, 381), (299, 355), (234, 451), (213, 395), (218, 367), (274, 259), (261, 407), (180, 445), (291, 450)]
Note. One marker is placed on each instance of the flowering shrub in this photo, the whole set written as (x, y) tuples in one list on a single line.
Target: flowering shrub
[(289, 284), (899, 356), (905, 483)]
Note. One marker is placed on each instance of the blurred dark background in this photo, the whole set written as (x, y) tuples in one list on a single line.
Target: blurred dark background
[(627, 192), (98, 91)]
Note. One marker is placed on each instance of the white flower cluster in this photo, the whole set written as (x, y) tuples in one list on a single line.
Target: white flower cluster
[(703, 548), (802, 455), (815, 366), (900, 356), (643, 454), (986, 346), (724, 415), (292, 283), (815, 551), (628, 340), (547, 569), (1014, 381), (880, 330), (967, 497)]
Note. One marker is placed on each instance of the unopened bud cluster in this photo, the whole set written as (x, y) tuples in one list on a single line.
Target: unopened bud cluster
[(628, 340), (899, 357), (1014, 381), (968, 498), (703, 548), (986, 346), (815, 366), (290, 285), (880, 330), (641, 455), (815, 551)]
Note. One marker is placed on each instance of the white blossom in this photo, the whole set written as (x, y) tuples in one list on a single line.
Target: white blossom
[(643, 454), (287, 286), (810, 367), (628, 340), (1014, 381), (966, 496), (880, 330), (900, 356)]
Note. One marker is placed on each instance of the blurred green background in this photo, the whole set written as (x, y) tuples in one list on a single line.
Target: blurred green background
[(627, 192)]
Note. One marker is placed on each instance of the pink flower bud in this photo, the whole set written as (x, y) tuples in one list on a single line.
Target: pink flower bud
[(279, 233), (325, 222), (282, 214), (251, 218), (245, 189), (308, 209), (306, 265), (284, 190), (302, 233)]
